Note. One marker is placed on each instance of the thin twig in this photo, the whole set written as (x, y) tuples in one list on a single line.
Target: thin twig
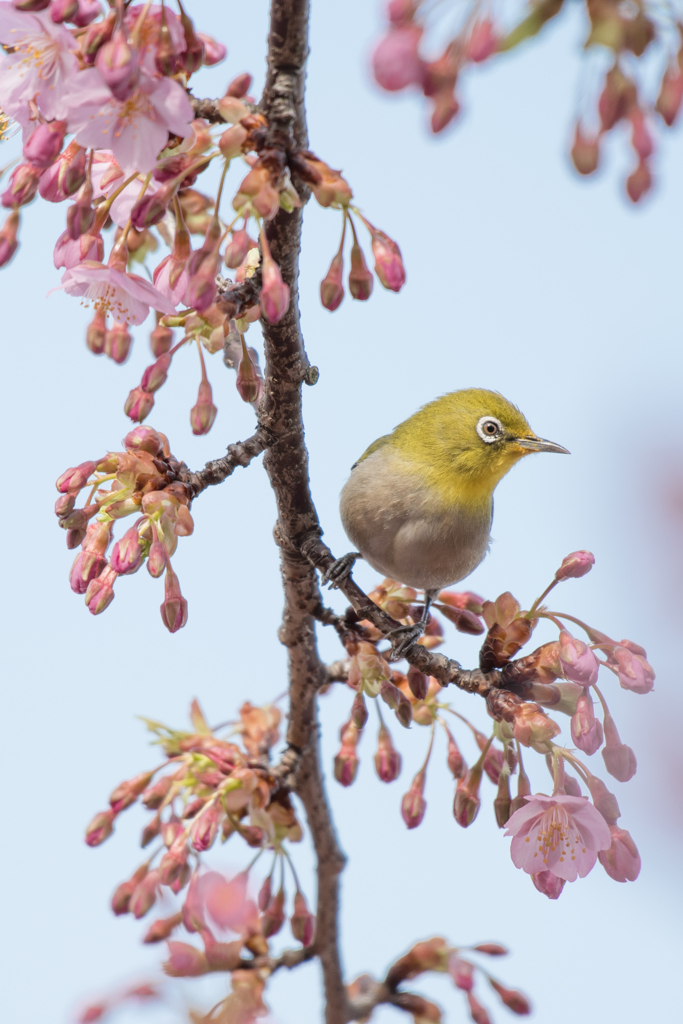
[(239, 454)]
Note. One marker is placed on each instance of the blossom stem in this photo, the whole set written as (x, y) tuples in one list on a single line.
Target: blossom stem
[(530, 613), (291, 868), (201, 360), (220, 187)]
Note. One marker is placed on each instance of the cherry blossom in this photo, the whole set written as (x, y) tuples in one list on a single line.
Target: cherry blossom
[(126, 297), (561, 834), (107, 177), (39, 68), (135, 130)]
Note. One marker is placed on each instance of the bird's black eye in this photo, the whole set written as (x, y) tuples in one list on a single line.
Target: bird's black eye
[(489, 428)]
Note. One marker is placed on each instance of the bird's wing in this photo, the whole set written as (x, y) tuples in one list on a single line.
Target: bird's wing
[(379, 443)]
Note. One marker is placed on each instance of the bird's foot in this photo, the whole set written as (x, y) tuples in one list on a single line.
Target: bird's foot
[(403, 638), (340, 569)]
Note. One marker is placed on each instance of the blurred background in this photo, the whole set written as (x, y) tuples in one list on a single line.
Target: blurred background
[(521, 278)]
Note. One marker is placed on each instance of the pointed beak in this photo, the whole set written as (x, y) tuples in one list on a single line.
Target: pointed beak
[(539, 444)]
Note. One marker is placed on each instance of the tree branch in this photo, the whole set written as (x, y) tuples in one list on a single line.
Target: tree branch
[(286, 463), (239, 454)]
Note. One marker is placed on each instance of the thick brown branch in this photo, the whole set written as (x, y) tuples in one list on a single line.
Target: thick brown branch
[(239, 454), (286, 463)]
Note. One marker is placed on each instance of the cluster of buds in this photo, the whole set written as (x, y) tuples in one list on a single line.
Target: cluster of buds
[(109, 130), (438, 956), (631, 33), (145, 481), (560, 675), (209, 787)]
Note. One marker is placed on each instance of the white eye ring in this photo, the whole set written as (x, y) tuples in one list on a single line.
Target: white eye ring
[(486, 435)]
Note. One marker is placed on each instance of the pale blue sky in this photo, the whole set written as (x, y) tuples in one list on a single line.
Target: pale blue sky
[(522, 278)]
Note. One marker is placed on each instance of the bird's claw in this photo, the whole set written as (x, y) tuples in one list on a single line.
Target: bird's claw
[(406, 637), (339, 570)]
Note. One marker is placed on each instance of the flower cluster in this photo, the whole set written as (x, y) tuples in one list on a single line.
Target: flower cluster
[(208, 787), (108, 128), (144, 481), (556, 838), (436, 955), (630, 32)]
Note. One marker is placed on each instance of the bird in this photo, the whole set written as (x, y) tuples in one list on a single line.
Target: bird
[(418, 505)]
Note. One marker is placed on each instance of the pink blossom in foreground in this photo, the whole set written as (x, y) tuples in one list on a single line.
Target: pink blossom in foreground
[(126, 297), (149, 34), (70, 252), (135, 130), (40, 67), (562, 834)]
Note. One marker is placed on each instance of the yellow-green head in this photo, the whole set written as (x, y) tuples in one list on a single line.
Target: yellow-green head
[(463, 443)]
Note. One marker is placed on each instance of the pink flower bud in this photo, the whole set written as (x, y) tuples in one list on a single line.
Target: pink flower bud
[(388, 261), (511, 998), (214, 52), (585, 728), (166, 57), (274, 295), (120, 901), (174, 607), (549, 884), (456, 761), (265, 894), (96, 36), (502, 804), (45, 144), (96, 333), (359, 711), (575, 565), (418, 683), (74, 479), (119, 65), (387, 758), (413, 804), (577, 660), (483, 41), (150, 209), (8, 238), (641, 139), (466, 803), (203, 414), (126, 556), (346, 761), (462, 972), (117, 343), (603, 800), (302, 921), (670, 96), (639, 182), (160, 340), (100, 828), (156, 374), (154, 795), (172, 864), (360, 278), (64, 504), (88, 10), (533, 728), (162, 928), (274, 914), (31, 5), (204, 828), (71, 169), (237, 248), (23, 186), (63, 10), (249, 382), (127, 792), (622, 860), (331, 286), (633, 670), (585, 155), (201, 289), (230, 144), (193, 57), (185, 961), (240, 86), (491, 949), (144, 895), (86, 568), (396, 62), (143, 439), (478, 1013), (100, 592), (620, 761), (138, 405)]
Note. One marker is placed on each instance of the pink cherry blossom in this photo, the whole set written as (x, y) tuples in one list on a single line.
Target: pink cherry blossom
[(39, 68), (561, 834), (126, 296), (171, 279), (107, 177), (135, 130), (69, 252)]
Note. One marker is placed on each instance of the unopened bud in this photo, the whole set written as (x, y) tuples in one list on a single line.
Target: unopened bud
[(387, 758), (145, 894), (413, 804), (466, 803), (127, 792), (360, 278), (548, 883), (491, 949), (575, 565), (138, 405), (511, 998), (604, 801), (478, 1012), (174, 607), (359, 711), (45, 144), (160, 340), (533, 728), (155, 375), (302, 921), (462, 972), (161, 929), (418, 683), (585, 157), (586, 730), (456, 762), (100, 592), (22, 187), (8, 238), (76, 478), (577, 660), (193, 56), (620, 761), (119, 65), (622, 860), (185, 961), (639, 182), (388, 261), (203, 414), (346, 761), (670, 96), (502, 802), (274, 914), (143, 439), (331, 286), (117, 342), (249, 382), (166, 57), (100, 828), (126, 556), (633, 670), (240, 85), (274, 295), (63, 10)]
